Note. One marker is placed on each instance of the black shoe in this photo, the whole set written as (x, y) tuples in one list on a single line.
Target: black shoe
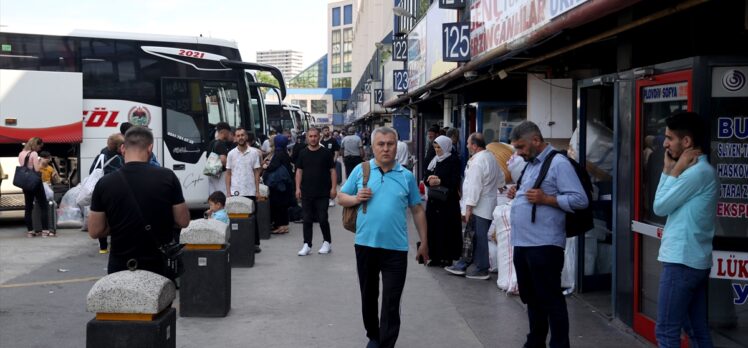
[(372, 344), (257, 249)]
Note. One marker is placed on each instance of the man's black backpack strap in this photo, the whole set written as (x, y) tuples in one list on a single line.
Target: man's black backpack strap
[(541, 176)]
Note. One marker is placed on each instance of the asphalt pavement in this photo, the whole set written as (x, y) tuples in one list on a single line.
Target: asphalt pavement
[(283, 301)]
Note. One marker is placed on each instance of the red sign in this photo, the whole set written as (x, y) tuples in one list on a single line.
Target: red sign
[(730, 265), (101, 117)]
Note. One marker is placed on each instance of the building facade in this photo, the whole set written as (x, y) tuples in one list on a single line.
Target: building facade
[(289, 62)]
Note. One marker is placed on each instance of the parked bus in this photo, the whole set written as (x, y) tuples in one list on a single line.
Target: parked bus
[(180, 87), (286, 117)]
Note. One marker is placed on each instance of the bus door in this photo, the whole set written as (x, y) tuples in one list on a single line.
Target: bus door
[(191, 109)]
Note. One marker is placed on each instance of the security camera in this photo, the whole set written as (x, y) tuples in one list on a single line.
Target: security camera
[(471, 75)]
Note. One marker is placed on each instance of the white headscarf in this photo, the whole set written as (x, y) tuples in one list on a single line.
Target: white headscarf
[(446, 145)]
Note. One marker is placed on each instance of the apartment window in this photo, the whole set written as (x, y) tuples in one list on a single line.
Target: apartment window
[(336, 16), (344, 82), (348, 14), (335, 61), (347, 62), (319, 106), (341, 106)]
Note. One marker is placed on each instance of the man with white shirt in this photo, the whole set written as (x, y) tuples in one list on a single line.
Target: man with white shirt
[(243, 166), (479, 190), (402, 154)]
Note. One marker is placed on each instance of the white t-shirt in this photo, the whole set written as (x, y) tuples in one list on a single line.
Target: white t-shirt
[(242, 166), (265, 146)]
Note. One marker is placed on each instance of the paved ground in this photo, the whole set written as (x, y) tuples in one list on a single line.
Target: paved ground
[(284, 301)]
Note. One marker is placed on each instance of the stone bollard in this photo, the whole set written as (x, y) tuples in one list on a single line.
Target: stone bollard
[(263, 217), (133, 309), (205, 286), (242, 224)]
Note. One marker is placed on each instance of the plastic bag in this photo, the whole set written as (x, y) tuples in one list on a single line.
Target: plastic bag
[(69, 213), (48, 191), (507, 276), (213, 166), (569, 273), (89, 183)]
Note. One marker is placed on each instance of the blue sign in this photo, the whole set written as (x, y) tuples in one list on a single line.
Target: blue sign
[(455, 42), (379, 96), (452, 4), (400, 50), (400, 80)]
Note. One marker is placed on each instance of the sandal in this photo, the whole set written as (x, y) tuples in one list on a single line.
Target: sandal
[(46, 234), (31, 234)]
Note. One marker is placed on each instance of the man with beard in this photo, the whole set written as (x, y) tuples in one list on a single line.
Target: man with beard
[(539, 243), (243, 167)]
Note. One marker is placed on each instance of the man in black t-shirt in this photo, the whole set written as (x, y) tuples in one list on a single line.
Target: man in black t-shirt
[(139, 206), (220, 146), (315, 175), (330, 143)]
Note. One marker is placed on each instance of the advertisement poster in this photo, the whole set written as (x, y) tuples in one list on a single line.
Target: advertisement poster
[(498, 22), (729, 143)]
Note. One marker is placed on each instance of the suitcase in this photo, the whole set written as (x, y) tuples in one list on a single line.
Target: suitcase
[(51, 216)]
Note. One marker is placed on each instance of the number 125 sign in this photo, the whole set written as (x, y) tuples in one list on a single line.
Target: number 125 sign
[(455, 42)]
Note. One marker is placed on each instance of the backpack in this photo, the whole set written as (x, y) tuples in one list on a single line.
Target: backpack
[(580, 221)]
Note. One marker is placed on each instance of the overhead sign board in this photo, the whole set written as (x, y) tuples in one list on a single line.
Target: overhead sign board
[(455, 42), (400, 80), (452, 4), (400, 50)]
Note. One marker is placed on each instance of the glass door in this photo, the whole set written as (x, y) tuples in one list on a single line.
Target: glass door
[(592, 143), (656, 99)]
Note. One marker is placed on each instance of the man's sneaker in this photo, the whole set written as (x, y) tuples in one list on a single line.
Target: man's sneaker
[(372, 344), (332, 203), (305, 250), (325, 249), (474, 273), (457, 269)]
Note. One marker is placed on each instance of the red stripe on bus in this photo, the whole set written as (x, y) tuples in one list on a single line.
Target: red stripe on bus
[(70, 133)]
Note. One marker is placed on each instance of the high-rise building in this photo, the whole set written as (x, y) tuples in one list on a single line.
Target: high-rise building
[(289, 62)]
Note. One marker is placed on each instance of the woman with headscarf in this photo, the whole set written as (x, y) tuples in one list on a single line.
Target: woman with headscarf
[(443, 208), (277, 177)]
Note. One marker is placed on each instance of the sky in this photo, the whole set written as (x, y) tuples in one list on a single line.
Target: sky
[(255, 25)]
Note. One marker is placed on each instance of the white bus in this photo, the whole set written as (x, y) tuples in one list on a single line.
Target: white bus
[(286, 117), (180, 87)]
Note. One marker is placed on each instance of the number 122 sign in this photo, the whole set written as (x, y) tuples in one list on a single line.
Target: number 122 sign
[(455, 42), (400, 80)]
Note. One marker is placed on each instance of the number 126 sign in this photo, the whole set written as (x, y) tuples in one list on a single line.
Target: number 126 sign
[(455, 42)]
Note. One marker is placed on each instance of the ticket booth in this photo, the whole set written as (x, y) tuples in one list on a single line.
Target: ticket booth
[(715, 87)]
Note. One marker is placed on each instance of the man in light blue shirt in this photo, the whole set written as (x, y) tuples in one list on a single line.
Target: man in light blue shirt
[(382, 234), (687, 194), (539, 245)]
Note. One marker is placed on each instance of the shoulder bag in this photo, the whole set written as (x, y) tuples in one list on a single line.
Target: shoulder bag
[(438, 193), (350, 214), (26, 178), (171, 251)]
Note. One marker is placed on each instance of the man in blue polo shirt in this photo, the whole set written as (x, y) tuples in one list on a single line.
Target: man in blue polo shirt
[(687, 194), (382, 235)]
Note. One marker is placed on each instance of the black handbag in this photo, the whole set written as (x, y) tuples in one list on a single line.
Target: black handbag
[(438, 193), (26, 178)]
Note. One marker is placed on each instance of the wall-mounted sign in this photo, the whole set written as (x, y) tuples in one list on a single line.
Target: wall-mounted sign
[(730, 82), (400, 80), (666, 93), (367, 87), (452, 4), (379, 96), (400, 50), (455, 42)]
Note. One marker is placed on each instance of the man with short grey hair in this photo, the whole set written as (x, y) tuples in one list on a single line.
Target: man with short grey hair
[(538, 219), (353, 150), (381, 240)]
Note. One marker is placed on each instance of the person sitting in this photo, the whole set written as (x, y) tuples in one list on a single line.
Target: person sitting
[(217, 204)]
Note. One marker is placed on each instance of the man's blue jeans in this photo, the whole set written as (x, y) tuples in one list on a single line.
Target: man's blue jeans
[(682, 304)]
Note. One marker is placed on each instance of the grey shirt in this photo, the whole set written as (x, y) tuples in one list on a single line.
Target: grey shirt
[(351, 145)]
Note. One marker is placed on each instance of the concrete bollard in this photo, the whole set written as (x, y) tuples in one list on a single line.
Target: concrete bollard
[(205, 286), (133, 309), (242, 225), (263, 218)]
